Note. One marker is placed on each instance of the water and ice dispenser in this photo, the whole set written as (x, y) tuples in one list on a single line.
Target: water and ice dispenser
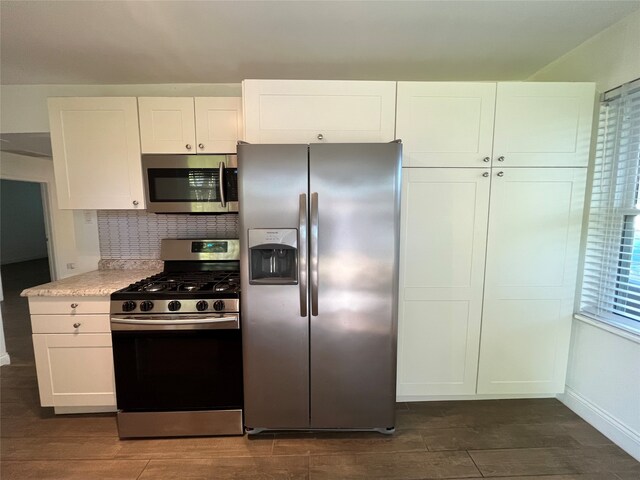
[(273, 256)]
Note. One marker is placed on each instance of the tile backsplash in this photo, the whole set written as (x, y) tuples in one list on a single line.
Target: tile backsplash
[(137, 234)]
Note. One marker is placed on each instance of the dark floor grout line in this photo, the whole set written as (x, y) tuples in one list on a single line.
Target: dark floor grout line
[(475, 464), (143, 469)]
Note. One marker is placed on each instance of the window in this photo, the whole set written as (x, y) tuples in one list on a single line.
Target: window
[(611, 283)]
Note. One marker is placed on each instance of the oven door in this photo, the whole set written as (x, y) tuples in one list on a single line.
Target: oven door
[(191, 183), (172, 363)]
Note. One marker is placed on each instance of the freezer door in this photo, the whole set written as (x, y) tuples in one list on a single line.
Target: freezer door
[(354, 231), (272, 181)]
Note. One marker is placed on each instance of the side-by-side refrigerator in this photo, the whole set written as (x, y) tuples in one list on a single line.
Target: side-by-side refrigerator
[(319, 232)]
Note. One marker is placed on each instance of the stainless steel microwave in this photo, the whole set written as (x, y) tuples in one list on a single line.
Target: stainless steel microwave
[(191, 183)]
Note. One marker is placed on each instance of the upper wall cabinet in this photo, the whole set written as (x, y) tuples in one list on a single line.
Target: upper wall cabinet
[(543, 124), (446, 124), (96, 152), (190, 125), (308, 111), (451, 124)]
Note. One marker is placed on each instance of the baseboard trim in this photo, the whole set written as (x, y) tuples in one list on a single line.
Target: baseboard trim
[(431, 398), (4, 359), (609, 426), (72, 410)]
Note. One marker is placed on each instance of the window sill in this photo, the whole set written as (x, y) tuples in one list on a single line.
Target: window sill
[(628, 329)]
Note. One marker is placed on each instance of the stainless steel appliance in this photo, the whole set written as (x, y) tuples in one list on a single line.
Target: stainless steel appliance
[(177, 344), (319, 275), (190, 183)]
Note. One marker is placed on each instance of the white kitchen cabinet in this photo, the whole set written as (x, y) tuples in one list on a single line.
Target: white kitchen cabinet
[(532, 259), (451, 124), (446, 124), (218, 124), (443, 238), (309, 111), (96, 152), (543, 124), (190, 125), (73, 353)]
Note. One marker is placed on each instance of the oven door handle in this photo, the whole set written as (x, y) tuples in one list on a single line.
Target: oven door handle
[(187, 324)]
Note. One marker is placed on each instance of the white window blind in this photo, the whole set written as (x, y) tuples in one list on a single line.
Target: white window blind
[(611, 283)]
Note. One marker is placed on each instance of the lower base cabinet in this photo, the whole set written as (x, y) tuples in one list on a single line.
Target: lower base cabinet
[(533, 247), (487, 280), (443, 238), (73, 353)]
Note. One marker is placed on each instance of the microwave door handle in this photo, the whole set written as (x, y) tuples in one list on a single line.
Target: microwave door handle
[(302, 255), (221, 168), (314, 254)]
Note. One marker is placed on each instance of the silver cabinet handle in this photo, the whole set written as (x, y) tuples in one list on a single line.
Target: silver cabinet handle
[(320, 136), (201, 145), (136, 202), (314, 254), (77, 325), (486, 159), (221, 167), (188, 146), (501, 159), (500, 174), (74, 305), (302, 255), (485, 174)]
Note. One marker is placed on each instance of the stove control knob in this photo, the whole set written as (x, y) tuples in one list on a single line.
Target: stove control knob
[(146, 306), (174, 305), (128, 306), (202, 305), (218, 305)]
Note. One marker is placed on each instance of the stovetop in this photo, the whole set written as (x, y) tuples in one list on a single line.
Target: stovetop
[(226, 282), (180, 292)]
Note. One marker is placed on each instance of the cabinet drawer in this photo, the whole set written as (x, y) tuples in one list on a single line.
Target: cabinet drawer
[(68, 305), (67, 323)]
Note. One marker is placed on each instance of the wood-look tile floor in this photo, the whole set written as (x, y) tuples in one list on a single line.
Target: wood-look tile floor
[(507, 439)]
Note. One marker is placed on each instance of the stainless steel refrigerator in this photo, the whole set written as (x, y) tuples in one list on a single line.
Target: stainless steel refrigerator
[(319, 229)]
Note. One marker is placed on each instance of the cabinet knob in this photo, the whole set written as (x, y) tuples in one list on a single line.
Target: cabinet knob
[(320, 136), (136, 202), (485, 174), (486, 159), (74, 305), (76, 325), (188, 146), (501, 159), (500, 174), (201, 145)]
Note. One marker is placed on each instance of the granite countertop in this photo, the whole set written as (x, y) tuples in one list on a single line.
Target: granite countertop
[(91, 284)]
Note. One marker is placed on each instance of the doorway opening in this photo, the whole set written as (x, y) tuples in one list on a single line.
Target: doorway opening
[(24, 260)]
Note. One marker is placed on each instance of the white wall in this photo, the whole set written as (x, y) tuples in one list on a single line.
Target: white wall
[(24, 107), (610, 58), (22, 230), (603, 377)]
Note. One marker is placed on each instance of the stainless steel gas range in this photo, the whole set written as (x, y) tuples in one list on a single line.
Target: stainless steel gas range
[(177, 344)]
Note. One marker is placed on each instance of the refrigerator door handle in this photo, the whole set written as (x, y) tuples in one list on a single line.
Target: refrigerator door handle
[(302, 256), (221, 168), (314, 254)]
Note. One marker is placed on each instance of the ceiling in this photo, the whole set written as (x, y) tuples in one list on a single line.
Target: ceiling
[(143, 42)]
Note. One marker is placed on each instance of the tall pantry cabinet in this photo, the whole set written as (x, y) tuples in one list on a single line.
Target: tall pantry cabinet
[(492, 209)]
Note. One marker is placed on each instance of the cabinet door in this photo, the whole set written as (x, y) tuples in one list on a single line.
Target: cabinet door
[(543, 124), (96, 152), (74, 370), (309, 111), (445, 124), (167, 125), (218, 124), (532, 259), (444, 229)]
